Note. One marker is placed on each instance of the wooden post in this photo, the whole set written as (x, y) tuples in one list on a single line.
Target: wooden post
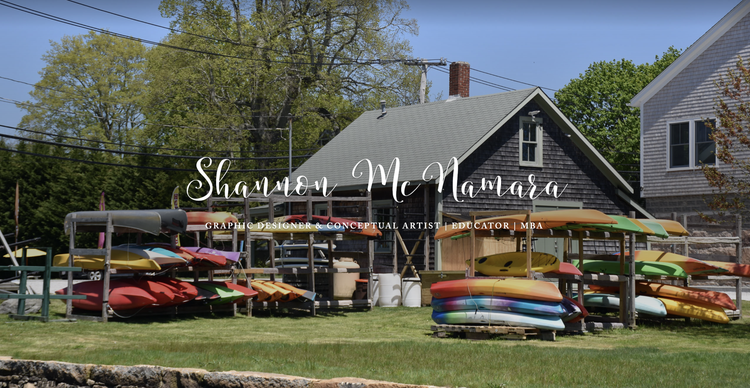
[(310, 250), (209, 233), (739, 261), (69, 301), (580, 267), (105, 270), (427, 231), (673, 246), (472, 249), (271, 242), (624, 298), (529, 272), (562, 283), (631, 279), (370, 253)]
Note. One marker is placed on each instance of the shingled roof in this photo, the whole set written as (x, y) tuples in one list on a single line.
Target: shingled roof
[(434, 132)]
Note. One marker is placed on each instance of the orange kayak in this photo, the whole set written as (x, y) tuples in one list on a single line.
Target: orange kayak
[(203, 218), (733, 269), (689, 294), (511, 288)]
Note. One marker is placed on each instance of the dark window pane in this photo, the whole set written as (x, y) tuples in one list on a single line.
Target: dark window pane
[(529, 152), (705, 152), (680, 155), (679, 133)]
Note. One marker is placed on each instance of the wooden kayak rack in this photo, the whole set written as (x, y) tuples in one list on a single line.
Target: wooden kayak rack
[(481, 332)]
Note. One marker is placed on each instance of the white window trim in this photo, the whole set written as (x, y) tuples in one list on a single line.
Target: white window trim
[(539, 136), (691, 144)]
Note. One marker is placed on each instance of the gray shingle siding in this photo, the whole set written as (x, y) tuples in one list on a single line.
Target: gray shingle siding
[(688, 96), (563, 163)]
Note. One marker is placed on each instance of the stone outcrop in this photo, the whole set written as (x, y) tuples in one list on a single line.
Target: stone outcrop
[(52, 374)]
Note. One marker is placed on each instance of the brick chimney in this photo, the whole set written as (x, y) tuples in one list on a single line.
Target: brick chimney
[(458, 82)]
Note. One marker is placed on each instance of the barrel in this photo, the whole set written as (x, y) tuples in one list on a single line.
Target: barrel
[(390, 289), (344, 283), (411, 289)]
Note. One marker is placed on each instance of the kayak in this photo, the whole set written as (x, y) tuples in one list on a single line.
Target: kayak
[(505, 318), (523, 306), (643, 304), (514, 263), (689, 294), (118, 260), (648, 268), (511, 288), (122, 295)]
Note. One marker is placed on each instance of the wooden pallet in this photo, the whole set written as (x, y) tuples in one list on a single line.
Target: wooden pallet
[(485, 332)]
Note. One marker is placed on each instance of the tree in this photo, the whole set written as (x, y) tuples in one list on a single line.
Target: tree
[(91, 87), (731, 181), (256, 66), (597, 103)]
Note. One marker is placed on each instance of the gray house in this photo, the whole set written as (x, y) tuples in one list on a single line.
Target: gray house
[(466, 154), (674, 109)]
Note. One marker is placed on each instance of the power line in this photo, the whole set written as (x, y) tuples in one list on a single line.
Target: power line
[(509, 79), (481, 81), (132, 165), (136, 153), (162, 148)]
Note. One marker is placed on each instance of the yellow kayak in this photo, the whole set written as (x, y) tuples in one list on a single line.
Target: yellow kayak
[(514, 263), (705, 312), (119, 260)]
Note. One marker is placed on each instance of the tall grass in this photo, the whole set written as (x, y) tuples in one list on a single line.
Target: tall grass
[(395, 344)]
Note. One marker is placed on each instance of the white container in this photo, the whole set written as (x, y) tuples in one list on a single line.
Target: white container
[(345, 283), (411, 291), (375, 289), (390, 289)]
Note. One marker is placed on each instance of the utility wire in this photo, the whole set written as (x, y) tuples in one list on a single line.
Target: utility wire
[(20, 138), (509, 79), (135, 165), (481, 81)]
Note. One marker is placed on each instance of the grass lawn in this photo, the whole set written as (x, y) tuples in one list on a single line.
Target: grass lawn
[(394, 344)]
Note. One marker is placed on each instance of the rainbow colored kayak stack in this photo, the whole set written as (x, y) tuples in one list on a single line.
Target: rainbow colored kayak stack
[(508, 302)]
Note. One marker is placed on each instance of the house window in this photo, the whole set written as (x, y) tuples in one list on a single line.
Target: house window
[(530, 142), (690, 144)]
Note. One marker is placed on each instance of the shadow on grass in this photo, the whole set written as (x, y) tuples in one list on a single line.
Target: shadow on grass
[(697, 328)]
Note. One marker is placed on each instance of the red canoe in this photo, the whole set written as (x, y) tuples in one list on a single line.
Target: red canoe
[(123, 295)]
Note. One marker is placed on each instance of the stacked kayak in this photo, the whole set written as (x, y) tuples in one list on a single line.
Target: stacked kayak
[(643, 304), (647, 268), (152, 292), (509, 302), (514, 263), (680, 301)]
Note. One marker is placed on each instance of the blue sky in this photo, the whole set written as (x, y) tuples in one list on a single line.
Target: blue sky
[(545, 42)]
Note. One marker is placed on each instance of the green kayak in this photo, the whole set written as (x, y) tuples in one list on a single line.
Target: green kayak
[(226, 295), (648, 268)]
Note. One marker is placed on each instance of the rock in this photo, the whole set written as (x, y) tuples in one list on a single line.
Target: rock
[(10, 306)]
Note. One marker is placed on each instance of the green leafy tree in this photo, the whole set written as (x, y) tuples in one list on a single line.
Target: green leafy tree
[(256, 66), (731, 181), (91, 87), (597, 103)]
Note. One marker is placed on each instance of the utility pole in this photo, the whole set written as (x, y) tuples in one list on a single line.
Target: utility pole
[(423, 65)]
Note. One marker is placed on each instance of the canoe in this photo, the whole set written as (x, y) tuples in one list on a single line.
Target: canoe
[(118, 260), (178, 251), (622, 225), (498, 318), (514, 263), (568, 269), (203, 218), (153, 221), (161, 292), (232, 256), (648, 268), (226, 295), (510, 288), (682, 308), (574, 311), (690, 265), (30, 252), (265, 292), (674, 228), (517, 222), (688, 294), (351, 226), (295, 292), (183, 291), (643, 304), (733, 269), (161, 256), (248, 293), (522, 306), (122, 296)]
